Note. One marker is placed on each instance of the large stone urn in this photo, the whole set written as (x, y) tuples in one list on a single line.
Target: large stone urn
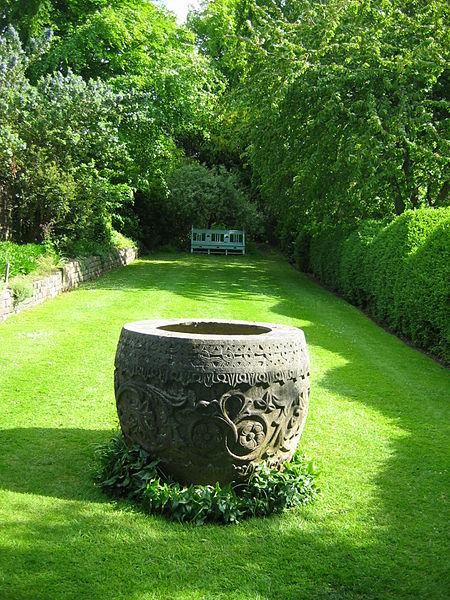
[(211, 398)]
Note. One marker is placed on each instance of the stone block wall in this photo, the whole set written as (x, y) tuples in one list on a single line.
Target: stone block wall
[(70, 276)]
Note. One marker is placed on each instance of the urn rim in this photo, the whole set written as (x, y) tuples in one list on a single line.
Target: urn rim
[(210, 329)]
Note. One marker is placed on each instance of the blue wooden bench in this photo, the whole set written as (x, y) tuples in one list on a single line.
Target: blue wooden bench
[(218, 241)]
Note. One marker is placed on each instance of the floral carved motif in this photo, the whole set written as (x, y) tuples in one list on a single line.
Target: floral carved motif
[(207, 429)]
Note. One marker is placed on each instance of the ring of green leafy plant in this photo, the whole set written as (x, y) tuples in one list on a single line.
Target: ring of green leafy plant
[(131, 473)]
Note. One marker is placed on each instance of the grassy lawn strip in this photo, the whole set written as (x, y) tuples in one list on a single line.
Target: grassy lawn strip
[(378, 429)]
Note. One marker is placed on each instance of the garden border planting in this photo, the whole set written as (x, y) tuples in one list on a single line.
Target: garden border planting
[(70, 276)]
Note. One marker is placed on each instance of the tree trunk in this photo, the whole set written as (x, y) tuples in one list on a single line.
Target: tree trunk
[(399, 204), (414, 199), (442, 198), (412, 191), (429, 198), (5, 214)]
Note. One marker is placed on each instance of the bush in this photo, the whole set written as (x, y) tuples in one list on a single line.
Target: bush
[(408, 274), (399, 271), (353, 283), (42, 259), (301, 250), (60, 153), (23, 259), (326, 252), (130, 472), (22, 289), (285, 235), (201, 196), (88, 247), (422, 293)]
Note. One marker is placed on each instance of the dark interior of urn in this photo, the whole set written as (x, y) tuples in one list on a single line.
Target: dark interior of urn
[(213, 328)]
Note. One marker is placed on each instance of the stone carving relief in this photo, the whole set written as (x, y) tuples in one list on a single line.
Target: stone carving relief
[(204, 421)]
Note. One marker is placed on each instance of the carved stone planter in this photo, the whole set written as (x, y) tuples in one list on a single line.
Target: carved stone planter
[(209, 398)]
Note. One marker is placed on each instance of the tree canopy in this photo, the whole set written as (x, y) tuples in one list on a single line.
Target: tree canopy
[(340, 107), (322, 112), (111, 91)]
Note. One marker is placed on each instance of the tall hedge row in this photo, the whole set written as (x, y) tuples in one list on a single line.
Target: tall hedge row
[(398, 271)]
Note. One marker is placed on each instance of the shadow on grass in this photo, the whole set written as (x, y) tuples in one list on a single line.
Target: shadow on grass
[(378, 372), (99, 545), (75, 550), (80, 547), (50, 462)]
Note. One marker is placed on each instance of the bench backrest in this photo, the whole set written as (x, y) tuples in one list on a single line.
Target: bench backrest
[(218, 239)]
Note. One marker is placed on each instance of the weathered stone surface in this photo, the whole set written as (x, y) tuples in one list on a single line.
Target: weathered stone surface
[(211, 398)]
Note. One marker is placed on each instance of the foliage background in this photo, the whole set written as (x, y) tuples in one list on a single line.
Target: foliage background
[(339, 109), (101, 102), (289, 119)]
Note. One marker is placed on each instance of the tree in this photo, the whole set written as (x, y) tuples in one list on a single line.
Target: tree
[(159, 93), (135, 46), (63, 166), (202, 197), (341, 108)]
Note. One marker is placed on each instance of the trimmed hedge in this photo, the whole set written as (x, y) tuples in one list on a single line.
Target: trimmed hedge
[(398, 271)]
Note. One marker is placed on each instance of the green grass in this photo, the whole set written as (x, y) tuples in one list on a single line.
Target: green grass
[(378, 429)]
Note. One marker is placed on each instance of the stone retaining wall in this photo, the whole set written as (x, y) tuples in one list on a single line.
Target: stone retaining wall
[(70, 276)]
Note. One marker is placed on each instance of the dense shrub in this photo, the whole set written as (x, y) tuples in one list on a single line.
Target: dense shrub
[(25, 259), (398, 271), (408, 275), (90, 247), (22, 259), (422, 293), (352, 282), (61, 159), (199, 196), (326, 251), (301, 250)]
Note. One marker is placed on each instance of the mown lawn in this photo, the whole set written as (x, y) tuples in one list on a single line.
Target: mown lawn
[(378, 428)]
